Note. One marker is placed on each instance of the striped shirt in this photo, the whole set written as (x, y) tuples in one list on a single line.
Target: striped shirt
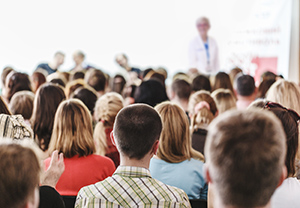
[(131, 187)]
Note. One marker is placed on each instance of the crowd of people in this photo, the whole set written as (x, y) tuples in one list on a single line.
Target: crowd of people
[(133, 141)]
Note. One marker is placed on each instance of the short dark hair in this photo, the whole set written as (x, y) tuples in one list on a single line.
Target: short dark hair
[(182, 89), (245, 85), (22, 103), (87, 96), (201, 82), (96, 79), (136, 129), (19, 175), (18, 82)]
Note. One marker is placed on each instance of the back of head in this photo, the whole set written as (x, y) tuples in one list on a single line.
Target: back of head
[(285, 93), (19, 175), (182, 89), (18, 82), (118, 84), (264, 87), (150, 92), (46, 101), (73, 85), (96, 79), (222, 80), (87, 96), (224, 99), (22, 103), (245, 85), (175, 142), (37, 79), (136, 129), (202, 109), (245, 153), (234, 72), (4, 73), (201, 82), (268, 75), (72, 130)]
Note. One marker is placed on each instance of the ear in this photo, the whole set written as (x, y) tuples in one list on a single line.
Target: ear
[(216, 114), (207, 174), (155, 147), (283, 176), (112, 138)]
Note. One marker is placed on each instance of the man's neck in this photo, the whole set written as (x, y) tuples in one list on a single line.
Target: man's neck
[(182, 103), (229, 206), (204, 38), (126, 161)]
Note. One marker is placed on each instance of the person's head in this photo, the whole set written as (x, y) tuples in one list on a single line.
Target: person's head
[(118, 83), (37, 79), (59, 58), (4, 73), (285, 93), (78, 57), (268, 75), (72, 130), (19, 177), (150, 92), (106, 110), (233, 73), (245, 152), (73, 85), (264, 87), (45, 104), (201, 82), (96, 79), (174, 142), (136, 131), (22, 103), (59, 82), (289, 120), (17, 82), (77, 75), (224, 99), (202, 109), (88, 96), (203, 25), (181, 89), (222, 80), (122, 60), (245, 85)]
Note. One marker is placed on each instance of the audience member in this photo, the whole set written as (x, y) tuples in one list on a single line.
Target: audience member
[(150, 92), (107, 107), (245, 91), (22, 103), (201, 82), (46, 101), (202, 110), (53, 66), (224, 99), (4, 74), (222, 80), (136, 132), (73, 136), (287, 194), (97, 80), (263, 88), (233, 74), (133, 73), (73, 85), (37, 79), (181, 91), (245, 153), (118, 84), (59, 82), (77, 75), (176, 163), (88, 96)]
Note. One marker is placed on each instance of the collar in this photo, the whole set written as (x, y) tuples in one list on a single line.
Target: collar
[(133, 172)]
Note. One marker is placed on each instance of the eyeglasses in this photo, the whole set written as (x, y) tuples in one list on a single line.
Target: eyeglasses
[(272, 105)]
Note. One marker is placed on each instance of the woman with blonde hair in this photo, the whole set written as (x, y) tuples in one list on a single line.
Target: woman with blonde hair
[(176, 162), (106, 109), (202, 110), (73, 136), (224, 99)]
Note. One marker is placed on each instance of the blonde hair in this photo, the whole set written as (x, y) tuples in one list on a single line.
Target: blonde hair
[(72, 130), (106, 109), (285, 93), (204, 116), (224, 99), (73, 85), (175, 141)]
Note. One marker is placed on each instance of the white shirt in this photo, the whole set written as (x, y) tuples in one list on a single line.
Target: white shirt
[(287, 195), (199, 59)]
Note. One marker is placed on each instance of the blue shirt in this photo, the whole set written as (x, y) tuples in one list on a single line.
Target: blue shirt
[(187, 175)]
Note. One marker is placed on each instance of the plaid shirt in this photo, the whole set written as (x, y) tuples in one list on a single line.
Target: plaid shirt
[(131, 187)]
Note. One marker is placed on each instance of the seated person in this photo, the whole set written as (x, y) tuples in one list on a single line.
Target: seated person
[(176, 163), (136, 132), (245, 153)]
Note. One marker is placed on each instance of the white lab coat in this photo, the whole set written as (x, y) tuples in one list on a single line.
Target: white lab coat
[(198, 57)]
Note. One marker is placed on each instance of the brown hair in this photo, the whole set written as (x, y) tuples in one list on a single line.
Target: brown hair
[(245, 156), (37, 79), (224, 99), (175, 142), (72, 130), (3, 107), (222, 80), (17, 82), (19, 175), (96, 79), (22, 103), (46, 101)]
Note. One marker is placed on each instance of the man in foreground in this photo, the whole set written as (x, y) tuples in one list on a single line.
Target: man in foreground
[(135, 134)]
